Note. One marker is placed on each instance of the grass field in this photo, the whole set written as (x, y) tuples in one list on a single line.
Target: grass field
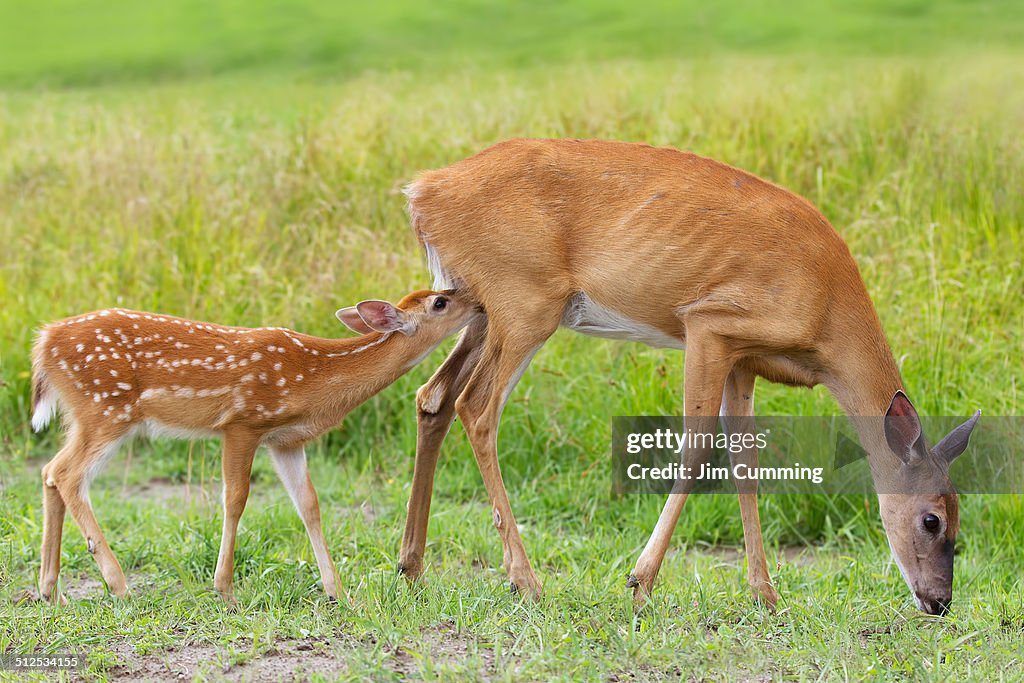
[(247, 172)]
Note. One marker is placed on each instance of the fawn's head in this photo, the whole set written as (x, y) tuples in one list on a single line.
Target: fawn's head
[(919, 506), (434, 315)]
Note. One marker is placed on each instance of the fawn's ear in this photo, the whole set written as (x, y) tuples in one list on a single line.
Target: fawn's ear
[(350, 317), (903, 428), (382, 316)]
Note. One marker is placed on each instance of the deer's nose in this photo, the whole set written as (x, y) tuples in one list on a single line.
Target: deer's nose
[(936, 606)]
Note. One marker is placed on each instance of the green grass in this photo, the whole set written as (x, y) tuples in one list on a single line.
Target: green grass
[(65, 42), (251, 176)]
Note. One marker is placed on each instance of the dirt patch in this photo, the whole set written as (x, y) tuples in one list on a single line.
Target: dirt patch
[(646, 672), (443, 646), (286, 661), (289, 660), (800, 555), (73, 587), (174, 664), (82, 586), (723, 553), (172, 493)]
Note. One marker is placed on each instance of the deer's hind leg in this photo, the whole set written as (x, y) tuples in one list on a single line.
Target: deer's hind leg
[(66, 481), (507, 351), (53, 528), (435, 412), (293, 470)]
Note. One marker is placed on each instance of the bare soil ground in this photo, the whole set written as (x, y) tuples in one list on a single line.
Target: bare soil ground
[(290, 660)]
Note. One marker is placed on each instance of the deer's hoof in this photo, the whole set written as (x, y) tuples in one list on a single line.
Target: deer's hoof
[(641, 590), (410, 570)]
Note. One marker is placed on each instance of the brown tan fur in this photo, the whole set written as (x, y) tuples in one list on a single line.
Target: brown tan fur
[(116, 372), (750, 277)]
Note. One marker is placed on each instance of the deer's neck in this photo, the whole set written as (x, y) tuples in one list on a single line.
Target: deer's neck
[(863, 377)]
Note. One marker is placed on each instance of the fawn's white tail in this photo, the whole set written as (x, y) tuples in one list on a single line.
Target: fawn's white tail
[(44, 400)]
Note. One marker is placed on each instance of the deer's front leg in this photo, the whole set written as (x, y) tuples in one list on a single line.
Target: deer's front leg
[(435, 412), (738, 417), (707, 365)]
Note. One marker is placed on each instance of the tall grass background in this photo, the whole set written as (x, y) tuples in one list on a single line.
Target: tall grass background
[(242, 163)]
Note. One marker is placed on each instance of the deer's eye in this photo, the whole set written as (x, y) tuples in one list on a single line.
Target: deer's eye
[(440, 303), (931, 523)]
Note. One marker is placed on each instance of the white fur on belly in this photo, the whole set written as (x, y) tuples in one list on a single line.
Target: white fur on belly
[(585, 316)]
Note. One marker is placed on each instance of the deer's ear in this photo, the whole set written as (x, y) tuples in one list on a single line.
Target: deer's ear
[(955, 443), (350, 317), (381, 316), (903, 427)]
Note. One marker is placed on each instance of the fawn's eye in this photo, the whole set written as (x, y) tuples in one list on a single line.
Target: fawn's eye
[(440, 303), (931, 523)]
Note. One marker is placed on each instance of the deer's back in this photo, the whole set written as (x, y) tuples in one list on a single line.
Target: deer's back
[(129, 366), (644, 231)]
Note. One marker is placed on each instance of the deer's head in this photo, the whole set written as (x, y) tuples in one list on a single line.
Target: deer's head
[(434, 315), (918, 504)]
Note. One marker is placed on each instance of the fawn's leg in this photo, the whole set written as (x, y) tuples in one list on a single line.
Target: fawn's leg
[(239, 449), (53, 527), (738, 417), (707, 365), (291, 467), (435, 411), (508, 348), (66, 481)]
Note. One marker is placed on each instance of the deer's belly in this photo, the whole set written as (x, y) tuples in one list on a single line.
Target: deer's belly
[(585, 316)]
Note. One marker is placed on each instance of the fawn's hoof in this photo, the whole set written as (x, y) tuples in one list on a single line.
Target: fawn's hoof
[(765, 594)]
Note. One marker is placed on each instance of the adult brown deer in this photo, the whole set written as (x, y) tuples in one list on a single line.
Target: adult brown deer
[(115, 373), (675, 250)]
